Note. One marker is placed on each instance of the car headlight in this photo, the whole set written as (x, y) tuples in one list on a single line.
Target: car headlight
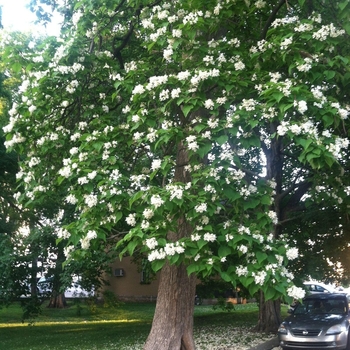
[(282, 329), (337, 329)]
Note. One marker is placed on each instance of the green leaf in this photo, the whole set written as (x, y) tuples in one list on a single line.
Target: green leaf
[(278, 96), (118, 216), (204, 150), (157, 265), (226, 277), (232, 194), (131, 246), (329, 74), (16, 67), (260, 257), (343, 4), (192, 269), (270, 293), (224, 250), (251, 204), (301, 3), (135, 197), (222, 139), (253, 288), (186, 109)]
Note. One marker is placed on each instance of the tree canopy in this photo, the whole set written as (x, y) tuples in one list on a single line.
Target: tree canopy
[(191, 133)]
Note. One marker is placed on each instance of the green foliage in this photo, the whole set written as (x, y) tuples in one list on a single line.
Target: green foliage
[(183, 139)]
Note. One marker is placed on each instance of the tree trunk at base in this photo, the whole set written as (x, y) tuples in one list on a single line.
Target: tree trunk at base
[(269, 315), (172, 327), (57, 301)]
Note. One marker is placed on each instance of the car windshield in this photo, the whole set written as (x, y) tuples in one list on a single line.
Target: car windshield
[(318, 306)]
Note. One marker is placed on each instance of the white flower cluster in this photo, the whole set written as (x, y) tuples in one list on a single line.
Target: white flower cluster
[(273, 216), (85, 241), (151, 243), (242, 270), (328, 30), (170, 249), (176, 191), (259, 277), (305, 66), (292, 253), (296, 292)]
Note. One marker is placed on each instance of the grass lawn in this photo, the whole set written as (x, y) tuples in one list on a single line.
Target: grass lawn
[(123, 328)]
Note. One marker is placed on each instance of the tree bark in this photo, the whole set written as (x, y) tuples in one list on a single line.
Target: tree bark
[(58, 301), (269, 315), (172, 327)]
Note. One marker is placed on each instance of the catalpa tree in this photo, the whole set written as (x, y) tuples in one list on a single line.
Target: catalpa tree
[(169, 125)]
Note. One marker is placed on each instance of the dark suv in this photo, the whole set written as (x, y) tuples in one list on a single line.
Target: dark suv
[(321, 321)]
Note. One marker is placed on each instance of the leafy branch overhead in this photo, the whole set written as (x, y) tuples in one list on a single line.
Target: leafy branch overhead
[(194, 134)]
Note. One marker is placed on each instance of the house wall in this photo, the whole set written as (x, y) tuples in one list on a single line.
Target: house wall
[(126, 282)]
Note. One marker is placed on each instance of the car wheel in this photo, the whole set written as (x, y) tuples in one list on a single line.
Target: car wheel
[(348, 342)]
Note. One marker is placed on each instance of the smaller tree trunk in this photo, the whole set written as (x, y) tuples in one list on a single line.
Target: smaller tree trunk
[(269, 315), (58, 301)]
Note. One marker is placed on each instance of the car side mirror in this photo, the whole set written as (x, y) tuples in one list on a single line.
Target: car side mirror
[(290, 310)]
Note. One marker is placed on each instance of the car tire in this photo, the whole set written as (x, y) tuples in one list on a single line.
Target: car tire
[(348, 342)]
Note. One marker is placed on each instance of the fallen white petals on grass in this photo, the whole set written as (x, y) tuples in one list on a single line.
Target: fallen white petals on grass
[(219, 338), (222, 338)]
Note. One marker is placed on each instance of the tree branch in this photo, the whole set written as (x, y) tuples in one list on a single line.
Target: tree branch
[(271, 18)]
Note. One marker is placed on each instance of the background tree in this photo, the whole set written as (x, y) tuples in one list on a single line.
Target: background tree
[(187, 140)]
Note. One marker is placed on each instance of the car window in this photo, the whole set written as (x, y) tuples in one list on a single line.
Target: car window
[(324, 306)]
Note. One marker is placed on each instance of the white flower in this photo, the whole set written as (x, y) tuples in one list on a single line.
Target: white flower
[(243, 249), (260, 277), (239, 65), (167, 53), (209, 104), (241, 270), (145, 224), (90, 200), (138, 89), (175, 93), (71, 199), (195, 237), (164, 95), (292, 253), (131, 219), (286, 42), (85, 243), (156, 201), (201, 208), (68, 250), (151, 243), (273, 216), (91, 234), (62, 233), (209, 237), (31, 109), (148, 213), (302, 106), (156, 164), (260, 4), (296, 292), (183, 75), (177, 33)]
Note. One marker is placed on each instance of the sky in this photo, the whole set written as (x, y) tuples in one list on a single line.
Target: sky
[(15, 16)]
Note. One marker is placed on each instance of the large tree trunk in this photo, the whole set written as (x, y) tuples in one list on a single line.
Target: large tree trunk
[(269, 315), (172, 327)]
